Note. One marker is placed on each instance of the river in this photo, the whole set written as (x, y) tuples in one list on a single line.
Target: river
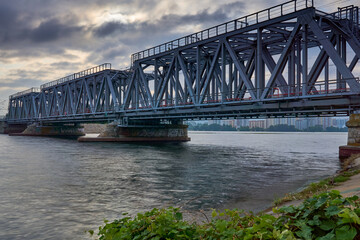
[(58, 188)]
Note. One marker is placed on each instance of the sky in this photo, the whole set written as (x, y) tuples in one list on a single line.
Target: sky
[(43, 40)]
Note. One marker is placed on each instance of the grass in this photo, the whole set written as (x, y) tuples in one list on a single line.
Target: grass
[(323, 185)]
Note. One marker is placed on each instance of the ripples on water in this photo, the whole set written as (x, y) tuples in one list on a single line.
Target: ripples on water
[(58, 188)]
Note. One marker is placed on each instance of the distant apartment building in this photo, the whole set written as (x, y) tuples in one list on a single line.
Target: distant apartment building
[(257, 123), (299, 123)]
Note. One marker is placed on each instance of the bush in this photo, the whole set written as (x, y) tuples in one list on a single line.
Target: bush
[(322, 217)]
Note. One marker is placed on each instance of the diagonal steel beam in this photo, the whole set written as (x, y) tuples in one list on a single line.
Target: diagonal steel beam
[(250, 69), (79, 97), (72, 105), (34, 106), (100, 93), (210, 73), (270, 63), (89, 97), (164, 82), (241, 70), (145, 83), (220, 80), (282, 60), (129, 90), (319, 65), (187, 78), (113, 93), (353, 63), (338, 61)]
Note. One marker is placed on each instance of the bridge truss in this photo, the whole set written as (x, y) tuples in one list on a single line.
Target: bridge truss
[(288, 60)]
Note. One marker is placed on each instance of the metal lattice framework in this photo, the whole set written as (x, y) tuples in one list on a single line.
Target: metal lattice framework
[(288, 60)]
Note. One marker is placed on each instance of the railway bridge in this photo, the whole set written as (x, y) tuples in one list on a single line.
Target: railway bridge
[(290, 60)]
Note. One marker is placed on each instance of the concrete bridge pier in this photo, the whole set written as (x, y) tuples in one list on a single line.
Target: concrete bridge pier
[(52, 130), (143, 131), (353, 143), (6, 128)]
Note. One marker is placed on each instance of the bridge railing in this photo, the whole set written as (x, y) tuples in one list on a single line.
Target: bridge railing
[(77, 75), (19, 94), (320, 88), (350, 12), (252, 19)]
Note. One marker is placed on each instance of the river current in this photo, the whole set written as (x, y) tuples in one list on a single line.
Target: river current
[(58, 188)]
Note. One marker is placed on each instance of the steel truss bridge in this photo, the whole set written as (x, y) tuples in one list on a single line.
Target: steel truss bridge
[(287, 60)]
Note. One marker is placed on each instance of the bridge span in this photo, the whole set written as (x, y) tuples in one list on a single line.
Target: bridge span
[(288, 60)]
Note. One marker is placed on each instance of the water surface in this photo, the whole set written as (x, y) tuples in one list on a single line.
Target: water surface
[(58, 188)]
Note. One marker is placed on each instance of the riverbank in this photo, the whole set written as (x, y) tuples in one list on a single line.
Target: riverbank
[(346, 181), (330, 209), (328, 215)]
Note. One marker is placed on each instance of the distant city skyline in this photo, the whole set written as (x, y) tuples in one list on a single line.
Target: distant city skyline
[(299, 123)]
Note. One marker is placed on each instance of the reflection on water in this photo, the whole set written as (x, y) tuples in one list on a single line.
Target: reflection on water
[(58, 188)]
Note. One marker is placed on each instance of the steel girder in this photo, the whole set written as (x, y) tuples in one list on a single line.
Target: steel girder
[(300, 61), (100, 92)]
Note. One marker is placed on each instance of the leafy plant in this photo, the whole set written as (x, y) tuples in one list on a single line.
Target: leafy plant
[(323, 217)]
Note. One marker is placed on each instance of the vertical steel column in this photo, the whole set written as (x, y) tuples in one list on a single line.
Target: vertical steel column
[(133, 98), (223, 72), (171, 85), (198, 74), (343, 54), (236, 79), (176, 81), (304, 59), (260, 68), (338, 74), (156, 69), (326, 76), (231, 79), (107, 95), (185, 85), (298, 67)]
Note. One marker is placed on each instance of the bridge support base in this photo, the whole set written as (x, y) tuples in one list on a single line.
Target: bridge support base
[(141, 133), (68, 131), (353, 143), (3, 126), (12, 128)]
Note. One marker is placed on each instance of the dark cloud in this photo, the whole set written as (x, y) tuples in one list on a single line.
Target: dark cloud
[(26, 74), (109, 28), (24, 83), (50, 28), (128, 38), (203, 17), (53, 30), (62, 64), (168, 22)]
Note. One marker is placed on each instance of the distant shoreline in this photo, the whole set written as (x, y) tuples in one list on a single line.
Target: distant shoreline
[(273, 128)]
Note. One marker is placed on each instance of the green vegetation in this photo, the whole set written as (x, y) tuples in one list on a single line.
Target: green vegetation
[(324, 216), (317, 187), (335, 129)]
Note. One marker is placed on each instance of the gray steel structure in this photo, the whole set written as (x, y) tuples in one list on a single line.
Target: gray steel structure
[(287, 60)]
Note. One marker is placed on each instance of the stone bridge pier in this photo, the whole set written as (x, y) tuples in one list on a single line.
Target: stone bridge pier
[(353, 142), (71, 130), (142, 132)]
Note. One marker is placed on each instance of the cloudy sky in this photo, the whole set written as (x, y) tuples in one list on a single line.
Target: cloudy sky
[(42, 40)]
